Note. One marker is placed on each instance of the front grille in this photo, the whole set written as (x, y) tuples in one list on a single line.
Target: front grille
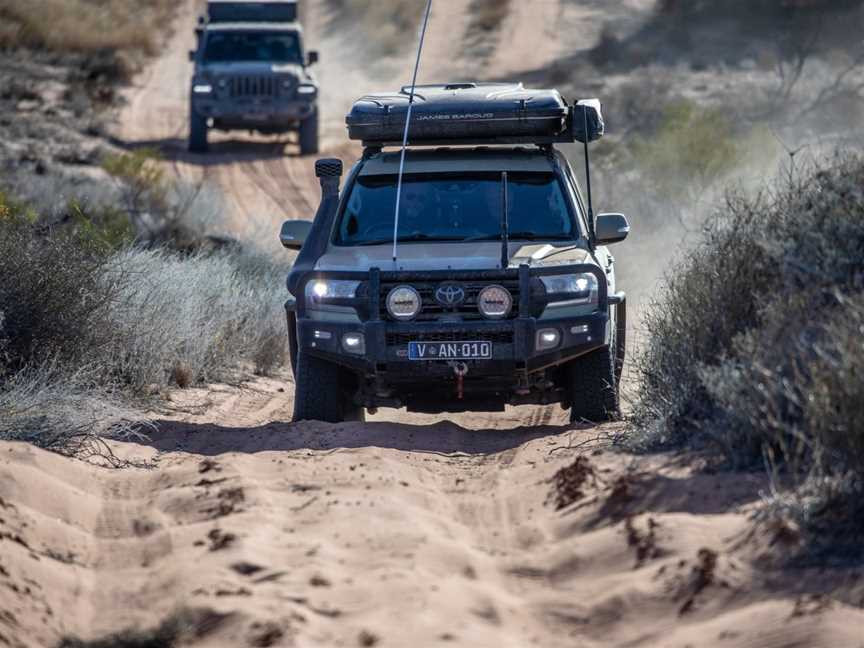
[(500, 337), (467, 311), (253, 86)]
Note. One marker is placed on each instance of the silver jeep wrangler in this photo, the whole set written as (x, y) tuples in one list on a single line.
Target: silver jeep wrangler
[(252, 73)]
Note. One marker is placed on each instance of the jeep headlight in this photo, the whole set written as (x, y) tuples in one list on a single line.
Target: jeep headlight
[(576, 289), (318, 290)]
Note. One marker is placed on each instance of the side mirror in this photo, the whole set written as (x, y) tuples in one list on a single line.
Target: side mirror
[(294, 234), (312, 58), (611, 228), (192, 56)]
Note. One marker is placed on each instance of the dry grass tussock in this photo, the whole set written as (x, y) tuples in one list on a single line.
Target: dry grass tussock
[(84, 26), (86, 327), (756, 345)]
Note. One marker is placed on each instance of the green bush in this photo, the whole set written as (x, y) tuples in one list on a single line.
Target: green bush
[(52, 299), (692, 148), (756, 339)]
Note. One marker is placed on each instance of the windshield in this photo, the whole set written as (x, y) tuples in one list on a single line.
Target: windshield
[(463, 207), (253, 47)]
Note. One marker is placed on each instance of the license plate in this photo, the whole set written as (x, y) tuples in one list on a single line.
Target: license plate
[(256, 117), (449, 350)]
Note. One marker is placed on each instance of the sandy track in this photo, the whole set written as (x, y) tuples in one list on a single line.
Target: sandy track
[(255, 532)]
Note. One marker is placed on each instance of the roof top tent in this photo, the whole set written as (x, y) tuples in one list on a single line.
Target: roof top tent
[(219, 11), (474, 113)]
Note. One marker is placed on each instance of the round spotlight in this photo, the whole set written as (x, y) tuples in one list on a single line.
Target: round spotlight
[(404, 303), (495, 302)]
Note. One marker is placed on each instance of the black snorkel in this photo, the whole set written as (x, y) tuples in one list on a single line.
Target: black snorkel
[(505, 223)]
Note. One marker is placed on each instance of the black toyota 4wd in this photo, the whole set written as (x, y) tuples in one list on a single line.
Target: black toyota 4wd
[(498, 287)]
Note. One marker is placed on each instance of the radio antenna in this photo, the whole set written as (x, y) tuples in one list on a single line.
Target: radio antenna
[(592, 226), (407, 126)]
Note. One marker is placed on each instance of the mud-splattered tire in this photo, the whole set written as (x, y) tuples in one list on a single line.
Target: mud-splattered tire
[(309, 135), (198, 133), (593, 386)]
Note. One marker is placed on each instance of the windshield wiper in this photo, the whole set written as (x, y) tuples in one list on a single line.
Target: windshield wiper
[(412, 238), (525, 236)]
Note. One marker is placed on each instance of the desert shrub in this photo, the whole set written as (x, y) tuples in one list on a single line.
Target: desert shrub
[(142, 317), (163, 212), (194, 316), (51, 294), (83, 26), (756, 339), (692, 148)]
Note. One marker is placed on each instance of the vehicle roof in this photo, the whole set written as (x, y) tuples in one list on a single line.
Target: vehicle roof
[(444, 160), (252, 2), (255, 26)]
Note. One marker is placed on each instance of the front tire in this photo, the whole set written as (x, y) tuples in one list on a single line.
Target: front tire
[(309, 135), (324, 392), (592, 381), (198, 133)]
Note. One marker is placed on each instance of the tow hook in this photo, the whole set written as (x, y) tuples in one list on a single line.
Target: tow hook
[(461, 370)]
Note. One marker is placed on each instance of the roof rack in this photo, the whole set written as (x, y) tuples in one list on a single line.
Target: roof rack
[(460, 114), (220, 11)]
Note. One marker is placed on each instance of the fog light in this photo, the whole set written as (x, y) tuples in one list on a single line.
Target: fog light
[(582, 329), (354, 343), (547, 339), (323, 335)]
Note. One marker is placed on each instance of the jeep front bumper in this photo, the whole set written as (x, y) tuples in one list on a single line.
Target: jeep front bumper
[(253, 113)]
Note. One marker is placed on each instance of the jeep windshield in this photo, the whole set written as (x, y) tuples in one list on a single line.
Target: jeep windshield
[(456, 207), (252, 47)]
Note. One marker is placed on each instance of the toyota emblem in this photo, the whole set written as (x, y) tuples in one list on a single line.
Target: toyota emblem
[(450, 295)]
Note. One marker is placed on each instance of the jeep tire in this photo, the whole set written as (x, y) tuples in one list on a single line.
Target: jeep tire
[(592, 383), (308, 134), (292, 342), (323, 392), (197, 133)]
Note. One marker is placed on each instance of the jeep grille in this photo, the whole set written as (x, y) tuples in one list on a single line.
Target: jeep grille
[(254, 86)]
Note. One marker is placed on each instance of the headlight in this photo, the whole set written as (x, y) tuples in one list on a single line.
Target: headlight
[(495, 302), (404, 303), (306, 89), (319, 289), (287, 84), (223, 83), (580, 288), (202, 88)]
